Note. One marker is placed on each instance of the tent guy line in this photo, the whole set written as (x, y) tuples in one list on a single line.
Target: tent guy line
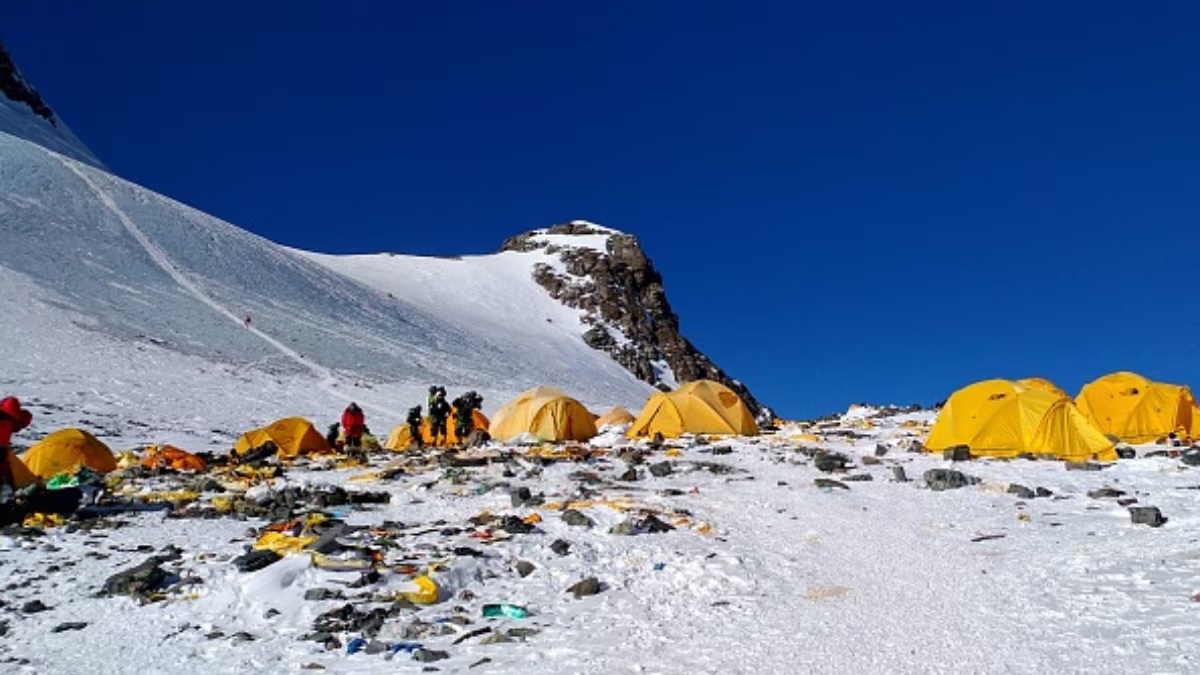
[(328, 381)]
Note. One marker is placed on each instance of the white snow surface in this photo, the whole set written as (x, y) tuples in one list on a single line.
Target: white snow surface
[(883, 577)]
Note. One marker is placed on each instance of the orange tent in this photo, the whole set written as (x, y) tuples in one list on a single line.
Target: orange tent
[(171, 457)]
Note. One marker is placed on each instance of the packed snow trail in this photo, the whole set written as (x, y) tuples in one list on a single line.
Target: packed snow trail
[(327, 380)]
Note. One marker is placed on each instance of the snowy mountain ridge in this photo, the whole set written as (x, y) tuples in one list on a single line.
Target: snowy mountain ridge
[(118, 269)]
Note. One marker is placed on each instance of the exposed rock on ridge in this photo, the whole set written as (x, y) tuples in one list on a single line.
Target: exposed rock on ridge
[(625, 306), (14, 87)]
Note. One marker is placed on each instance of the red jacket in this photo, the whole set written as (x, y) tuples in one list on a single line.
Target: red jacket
[(13, 418), (353, 421)]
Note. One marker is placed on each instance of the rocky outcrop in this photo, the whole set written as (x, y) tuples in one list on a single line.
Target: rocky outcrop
[(606, 274), (15, 88)]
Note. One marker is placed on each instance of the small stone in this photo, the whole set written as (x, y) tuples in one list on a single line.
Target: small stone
[(829, 483), (429, 655), (240, 637), (1191, 457), (959, 453), (70, 625), (522, 633), (576, 519), (1146, 515), (623, 528), (1083, 466), (1021, 491), (629, 475), (828, 462), (585, 587), (1128, 501), (514, 525), (661, 469), (880, 450), (256, 560), (859, 478), (1043, 492), (947, 479), (312, 666), (1126, 452), (495, 638), (1106, 493), (318, 594), (520, 496), (480, 662), (868, 460), (375, 647), (561, 546), (33, 607), (722, 450), (271, 613), (525, 568), (899, 475)]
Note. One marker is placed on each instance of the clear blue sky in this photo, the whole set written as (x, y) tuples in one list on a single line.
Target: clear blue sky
[(849, 201)]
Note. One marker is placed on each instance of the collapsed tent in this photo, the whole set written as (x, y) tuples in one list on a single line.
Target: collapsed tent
[(293, 436), (546, 413), (66, 450), (1002, 418), (701, 407), (401, 436), (1041, 383), (615, 417), (171, 457), (1137, 410)]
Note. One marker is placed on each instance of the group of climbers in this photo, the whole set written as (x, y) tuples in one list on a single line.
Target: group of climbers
[(462, 409)]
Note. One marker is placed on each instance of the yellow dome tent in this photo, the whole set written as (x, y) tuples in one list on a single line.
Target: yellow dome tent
[(21, 474), (67, 449), (701, 407), (1043, 384), (401, 439), (293, 435), (1136, 410), (545, 412), (1002, 418), (617, 415)]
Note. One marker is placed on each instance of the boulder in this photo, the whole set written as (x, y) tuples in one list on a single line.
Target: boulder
[(948, 479)]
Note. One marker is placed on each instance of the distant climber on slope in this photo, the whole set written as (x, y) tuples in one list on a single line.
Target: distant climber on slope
[(353, 422), (13, 418), (439, 411)]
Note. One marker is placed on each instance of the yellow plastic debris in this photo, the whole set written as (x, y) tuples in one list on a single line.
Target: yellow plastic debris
[(283, 544), (127, 459), (674, 452), (224, 504), (43, 520), (532, 519), (426, 593)]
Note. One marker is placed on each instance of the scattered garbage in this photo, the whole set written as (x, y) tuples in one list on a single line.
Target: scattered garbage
[(505, 610)]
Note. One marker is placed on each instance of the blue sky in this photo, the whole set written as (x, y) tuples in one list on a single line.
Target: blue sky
[(867, 201)]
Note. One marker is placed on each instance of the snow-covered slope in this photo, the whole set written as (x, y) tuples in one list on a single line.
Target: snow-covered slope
[(135, 267)]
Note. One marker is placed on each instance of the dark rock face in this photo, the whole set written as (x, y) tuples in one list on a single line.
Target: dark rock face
[(621, 292), (15, 88)]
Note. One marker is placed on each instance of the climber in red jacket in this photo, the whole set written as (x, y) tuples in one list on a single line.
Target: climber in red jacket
[(353, 423), (13, 418)]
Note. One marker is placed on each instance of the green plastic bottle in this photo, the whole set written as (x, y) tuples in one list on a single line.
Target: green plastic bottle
[(505, 610)]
